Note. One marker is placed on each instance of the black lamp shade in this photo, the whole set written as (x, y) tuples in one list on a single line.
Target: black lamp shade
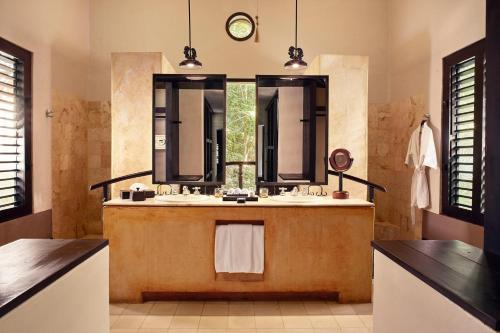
[(295, 64), (190, 64)]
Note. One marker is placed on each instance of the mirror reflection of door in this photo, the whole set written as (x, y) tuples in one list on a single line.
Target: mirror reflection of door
[(191, 119), (292, 129)]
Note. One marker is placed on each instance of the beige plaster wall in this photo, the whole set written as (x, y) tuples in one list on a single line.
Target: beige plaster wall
[(57, 32), (348, 113), (421, 33), (131, 105), (325, 26)]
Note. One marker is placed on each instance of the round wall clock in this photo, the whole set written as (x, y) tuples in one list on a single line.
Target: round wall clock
[(240, 26)]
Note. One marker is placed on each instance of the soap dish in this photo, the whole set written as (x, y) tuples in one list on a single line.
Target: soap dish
[(235, 198)]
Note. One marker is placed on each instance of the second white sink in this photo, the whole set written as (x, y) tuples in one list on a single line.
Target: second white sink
[(182, 198)]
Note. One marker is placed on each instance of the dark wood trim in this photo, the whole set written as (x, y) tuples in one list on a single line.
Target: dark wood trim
[(37, 263), (492, 208), (236, 80), (377, 187), (26, 208), (460, 272), (239, 277), (149, 296), (226, 222), (292, 80), (475, 216), (119, 179), (171, 160)]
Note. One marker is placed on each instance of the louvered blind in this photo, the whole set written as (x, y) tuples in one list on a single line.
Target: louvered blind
[(462, 95), (463, 133), (12, 144)]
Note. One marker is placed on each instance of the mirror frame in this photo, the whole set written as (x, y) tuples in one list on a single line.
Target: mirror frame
[(176, 77), (287, 78)]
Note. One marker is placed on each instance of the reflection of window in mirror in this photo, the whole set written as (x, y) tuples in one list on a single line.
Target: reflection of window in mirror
[(240, 133)]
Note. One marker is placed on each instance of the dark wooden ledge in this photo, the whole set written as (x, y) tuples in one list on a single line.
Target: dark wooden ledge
[(460, 272), (27, 266)]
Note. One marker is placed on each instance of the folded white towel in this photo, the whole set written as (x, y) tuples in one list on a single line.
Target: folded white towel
[(239, 248)]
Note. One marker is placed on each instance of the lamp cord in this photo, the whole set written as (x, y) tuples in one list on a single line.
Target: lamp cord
[(296, 23), (189, 15)]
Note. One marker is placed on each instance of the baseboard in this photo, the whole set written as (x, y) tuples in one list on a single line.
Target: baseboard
[(148, 296)]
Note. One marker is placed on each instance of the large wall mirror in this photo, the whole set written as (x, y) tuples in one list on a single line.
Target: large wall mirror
[(292, 129), (189, 116)]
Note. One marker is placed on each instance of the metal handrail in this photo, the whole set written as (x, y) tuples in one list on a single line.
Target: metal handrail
[(369, 185), (106, 195)]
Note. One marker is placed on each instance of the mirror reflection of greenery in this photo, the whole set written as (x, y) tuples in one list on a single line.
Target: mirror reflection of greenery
[(240, 132), (240, 28)]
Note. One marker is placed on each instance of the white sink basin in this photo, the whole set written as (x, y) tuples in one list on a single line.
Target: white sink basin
[(182, 198), (297, 199)]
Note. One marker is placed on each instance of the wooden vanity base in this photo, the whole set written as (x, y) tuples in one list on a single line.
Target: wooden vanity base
[(169, 251)]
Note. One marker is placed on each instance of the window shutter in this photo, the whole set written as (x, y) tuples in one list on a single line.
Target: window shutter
[(483, 143), (12, 143), (462, 130), (462, 94)]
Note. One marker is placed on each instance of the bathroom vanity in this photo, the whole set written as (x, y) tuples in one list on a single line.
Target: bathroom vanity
[(164, 250), (313, 246)]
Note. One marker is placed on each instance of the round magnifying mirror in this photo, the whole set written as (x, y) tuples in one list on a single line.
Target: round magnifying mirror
[(341, 160), (240, 26)]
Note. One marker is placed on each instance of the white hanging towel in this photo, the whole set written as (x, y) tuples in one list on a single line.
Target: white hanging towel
[(239, 248), (421, 153)]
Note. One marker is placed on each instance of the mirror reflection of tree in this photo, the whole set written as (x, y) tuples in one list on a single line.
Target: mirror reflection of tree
[(240, 132)]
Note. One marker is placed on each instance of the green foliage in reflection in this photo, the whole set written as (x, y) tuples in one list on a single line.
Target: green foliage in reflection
[(240, 28), (240, 132)]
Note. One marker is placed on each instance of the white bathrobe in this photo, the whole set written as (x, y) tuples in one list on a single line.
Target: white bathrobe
[(421, 153)]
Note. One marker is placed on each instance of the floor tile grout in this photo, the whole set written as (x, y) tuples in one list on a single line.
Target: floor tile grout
[(250, 317)]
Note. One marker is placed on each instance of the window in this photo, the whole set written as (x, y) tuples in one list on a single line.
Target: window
[(240, 136), (15, 131), (463, 134)]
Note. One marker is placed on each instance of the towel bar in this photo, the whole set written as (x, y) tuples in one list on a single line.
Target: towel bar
[(226, 222)]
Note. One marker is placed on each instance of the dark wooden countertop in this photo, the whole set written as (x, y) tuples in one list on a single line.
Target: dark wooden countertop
[(462, 273), (29, 265)]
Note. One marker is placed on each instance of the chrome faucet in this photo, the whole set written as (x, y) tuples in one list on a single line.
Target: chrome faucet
[(282, 190), (159, 192), (196, 190), (321, 193), (185, 190)]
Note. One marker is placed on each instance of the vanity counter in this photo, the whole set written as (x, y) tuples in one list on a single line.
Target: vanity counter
[(165, 250), (263, 202)]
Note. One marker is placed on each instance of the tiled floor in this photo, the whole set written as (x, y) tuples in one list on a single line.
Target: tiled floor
[(241, 317)]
